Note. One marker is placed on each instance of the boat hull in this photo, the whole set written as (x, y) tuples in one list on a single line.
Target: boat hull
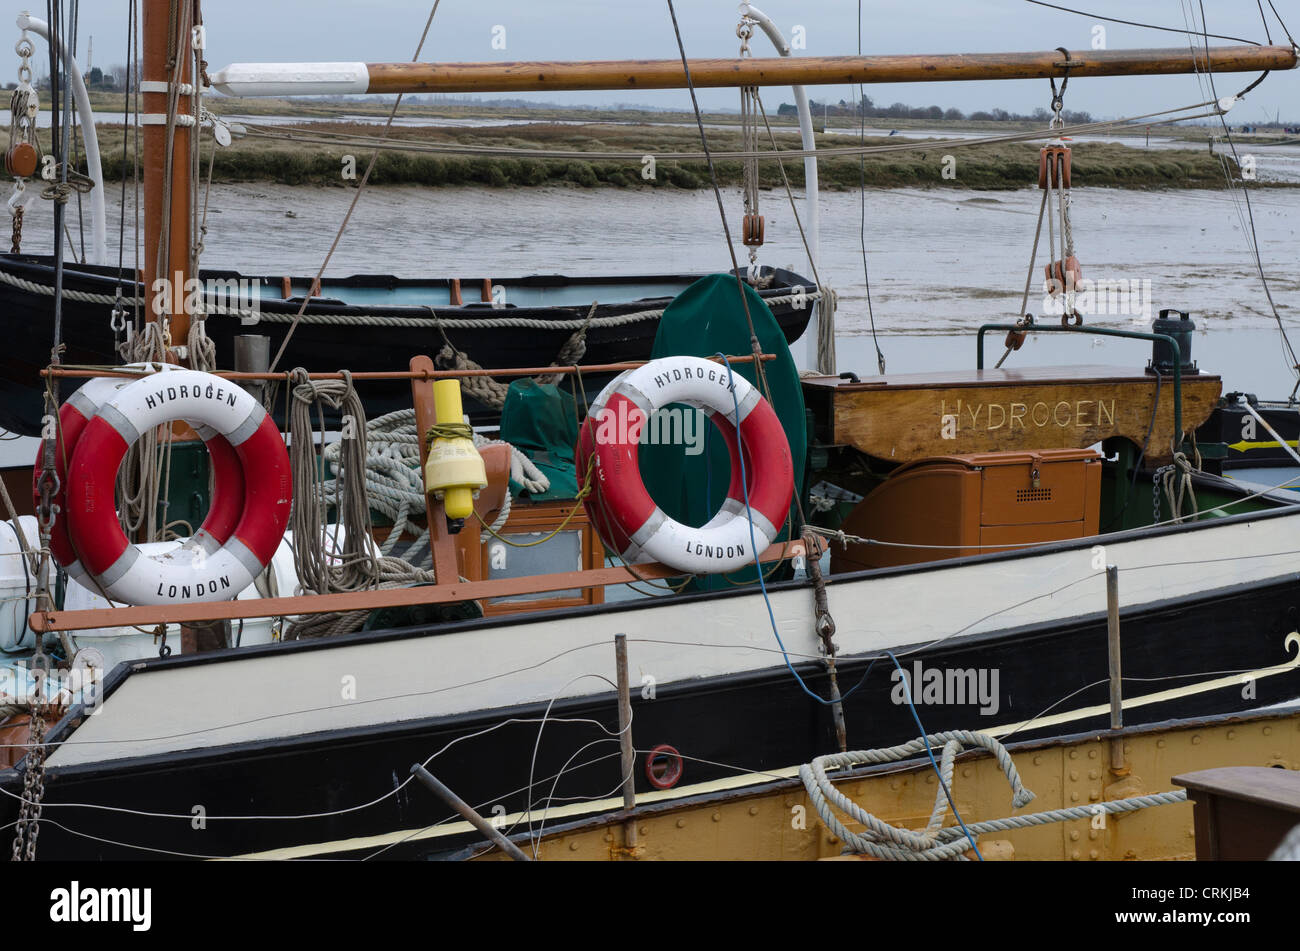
[(331, 730), (393, 322)]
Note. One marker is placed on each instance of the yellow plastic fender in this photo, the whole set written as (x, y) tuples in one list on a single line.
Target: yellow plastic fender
[(454, 471)]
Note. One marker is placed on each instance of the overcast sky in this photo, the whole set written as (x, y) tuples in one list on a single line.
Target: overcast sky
[(387, 30)]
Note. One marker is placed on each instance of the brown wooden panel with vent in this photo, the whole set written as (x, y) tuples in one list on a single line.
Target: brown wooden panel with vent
[(974, 503), (901, 417)]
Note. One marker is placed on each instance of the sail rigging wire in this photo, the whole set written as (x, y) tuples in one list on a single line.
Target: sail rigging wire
[(126, 140), (722, 211), (1248, 222), (356, 197), (746, 647), (177, 27), (862, 202), (28, 826), (511, 721), (827, 303), (1145, 26), (1282, 23), (760, 372)]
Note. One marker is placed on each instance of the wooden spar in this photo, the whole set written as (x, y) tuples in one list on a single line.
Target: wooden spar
[(281, 79), (157, 27), (150, 615)]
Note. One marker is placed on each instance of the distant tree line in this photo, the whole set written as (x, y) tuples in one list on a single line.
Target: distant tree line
[(112, 79), (900, 110)]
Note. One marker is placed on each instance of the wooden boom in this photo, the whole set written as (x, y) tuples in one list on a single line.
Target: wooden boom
[(282, 79)]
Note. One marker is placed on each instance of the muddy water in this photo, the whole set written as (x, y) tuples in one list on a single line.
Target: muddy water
[(941, 262)]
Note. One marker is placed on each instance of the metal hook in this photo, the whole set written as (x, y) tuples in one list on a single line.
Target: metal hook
[(1058, 98)]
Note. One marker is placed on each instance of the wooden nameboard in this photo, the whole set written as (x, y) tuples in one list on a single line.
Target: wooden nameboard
[(904, 417)]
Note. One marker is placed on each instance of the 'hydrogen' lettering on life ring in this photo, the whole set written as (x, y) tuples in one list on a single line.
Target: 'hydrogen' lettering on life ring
[(621, 508), (251, 500)]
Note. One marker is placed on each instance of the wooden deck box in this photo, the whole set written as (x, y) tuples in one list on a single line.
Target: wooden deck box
[(971, 504)]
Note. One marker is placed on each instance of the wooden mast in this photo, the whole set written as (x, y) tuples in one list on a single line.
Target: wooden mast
[(279, 79), (166, 43)]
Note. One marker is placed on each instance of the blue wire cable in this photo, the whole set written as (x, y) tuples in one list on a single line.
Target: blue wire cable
[(762, 584), (928, 752), (753, 542)]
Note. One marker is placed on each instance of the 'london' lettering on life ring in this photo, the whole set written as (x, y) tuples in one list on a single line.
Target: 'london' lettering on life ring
[(621, 508), (207, 567), (74, 415)]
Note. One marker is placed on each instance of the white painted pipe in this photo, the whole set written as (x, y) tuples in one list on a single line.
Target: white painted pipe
[(98, 251), (806, 346), (292, 79)]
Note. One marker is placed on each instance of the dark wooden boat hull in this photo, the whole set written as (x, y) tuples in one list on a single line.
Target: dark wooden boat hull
[(374, 345)]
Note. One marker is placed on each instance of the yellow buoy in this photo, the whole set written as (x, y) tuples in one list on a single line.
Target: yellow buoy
[(454, 471)]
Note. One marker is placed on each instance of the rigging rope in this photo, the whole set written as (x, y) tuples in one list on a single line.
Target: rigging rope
[(356, 197), (1248, 221), (937, 842), (862, 209), (350, 567), (218, 306), (386, 453)]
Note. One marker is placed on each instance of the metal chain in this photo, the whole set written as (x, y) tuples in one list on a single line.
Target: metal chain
[(825, 628), (28, 826), (24, 106)]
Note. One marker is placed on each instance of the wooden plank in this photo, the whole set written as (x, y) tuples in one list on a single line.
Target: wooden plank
[(903, 419), (154, 614), (1084, 373)]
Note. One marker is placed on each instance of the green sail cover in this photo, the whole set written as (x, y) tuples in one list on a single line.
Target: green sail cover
[(705, 319), (540, 420)]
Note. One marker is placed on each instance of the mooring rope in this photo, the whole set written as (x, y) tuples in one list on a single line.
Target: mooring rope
[(938, 842), (812, 295)]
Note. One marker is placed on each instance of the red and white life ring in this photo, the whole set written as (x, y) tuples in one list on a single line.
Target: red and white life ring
[(251, 497), (74, 415), (623, 512)]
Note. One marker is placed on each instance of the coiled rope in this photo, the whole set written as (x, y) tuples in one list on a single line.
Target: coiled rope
[(354, 567), (394, 485), (937, 842), (386, 450)]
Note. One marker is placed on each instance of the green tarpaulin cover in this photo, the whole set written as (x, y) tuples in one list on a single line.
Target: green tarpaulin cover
[(705, 319), (539, 419)]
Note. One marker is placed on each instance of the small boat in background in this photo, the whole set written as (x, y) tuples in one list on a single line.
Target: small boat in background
[(495, 322)]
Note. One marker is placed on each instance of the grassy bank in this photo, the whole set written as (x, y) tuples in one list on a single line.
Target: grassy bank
[(378, 107), (1006, 166)]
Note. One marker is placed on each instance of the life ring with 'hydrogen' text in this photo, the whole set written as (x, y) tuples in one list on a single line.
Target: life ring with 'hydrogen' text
[(207, 567), (629, 520)]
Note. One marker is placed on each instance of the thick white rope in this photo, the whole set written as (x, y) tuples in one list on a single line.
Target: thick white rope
[(394, 484), (396, 320), (938, 842)]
